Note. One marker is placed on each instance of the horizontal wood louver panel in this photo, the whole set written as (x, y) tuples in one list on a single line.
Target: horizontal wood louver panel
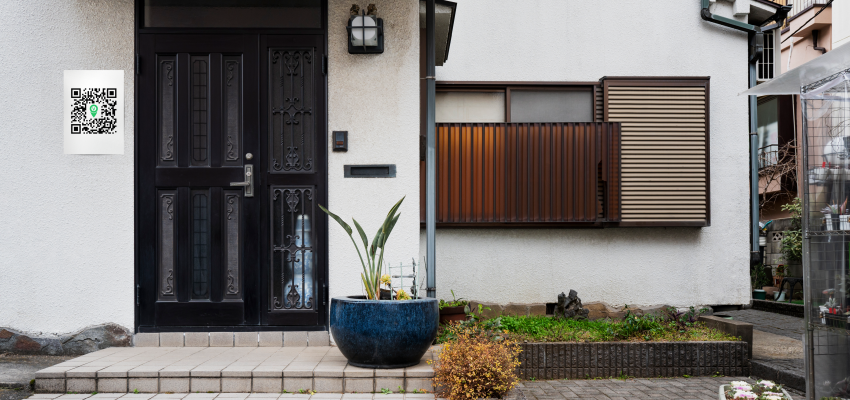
[(526, 174), (665, 148)]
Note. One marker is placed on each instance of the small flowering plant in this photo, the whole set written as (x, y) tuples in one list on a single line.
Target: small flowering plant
[(761, 390)]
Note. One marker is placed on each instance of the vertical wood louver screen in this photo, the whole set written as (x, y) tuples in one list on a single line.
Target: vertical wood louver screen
[(526, 174), (665, 149)]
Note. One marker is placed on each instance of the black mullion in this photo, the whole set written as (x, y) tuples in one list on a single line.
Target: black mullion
[(215, 109), (216, 244), (252, 228), (183, 87), (184, 244), (146, 201)]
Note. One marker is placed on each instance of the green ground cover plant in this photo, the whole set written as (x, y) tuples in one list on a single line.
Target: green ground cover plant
[(667, 326)]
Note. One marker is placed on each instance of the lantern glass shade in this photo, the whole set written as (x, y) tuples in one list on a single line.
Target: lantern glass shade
[(361, 32)]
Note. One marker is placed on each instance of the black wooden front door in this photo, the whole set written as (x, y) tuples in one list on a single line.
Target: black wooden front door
[(214, 111)]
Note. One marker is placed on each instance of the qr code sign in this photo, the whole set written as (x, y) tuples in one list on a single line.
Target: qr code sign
[(93, 111)]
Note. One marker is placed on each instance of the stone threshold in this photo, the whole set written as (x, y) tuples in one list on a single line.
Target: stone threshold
[(232, 339), (227, 369)]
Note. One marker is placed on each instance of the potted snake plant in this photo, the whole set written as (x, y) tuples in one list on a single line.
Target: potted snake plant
[(375, 333)]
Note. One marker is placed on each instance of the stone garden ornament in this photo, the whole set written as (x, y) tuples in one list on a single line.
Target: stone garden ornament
[(570, 307)]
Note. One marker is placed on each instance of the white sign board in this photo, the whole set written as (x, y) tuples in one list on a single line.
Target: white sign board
[(94, 112)]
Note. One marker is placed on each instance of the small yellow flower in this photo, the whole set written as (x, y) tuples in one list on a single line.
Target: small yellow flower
[(402, 295), (386, 280)]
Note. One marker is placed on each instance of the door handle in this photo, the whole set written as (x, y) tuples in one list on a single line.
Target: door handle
[(249, 181)]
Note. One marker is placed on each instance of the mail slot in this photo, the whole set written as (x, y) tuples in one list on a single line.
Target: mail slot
[(370, 171)]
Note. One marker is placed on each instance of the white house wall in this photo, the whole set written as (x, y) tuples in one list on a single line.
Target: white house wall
[(376, 99), (557, 40), (66, 226), (66, 243)]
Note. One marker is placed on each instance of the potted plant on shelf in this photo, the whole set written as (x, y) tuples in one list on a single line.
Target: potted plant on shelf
[(375, 333), (455, 310)]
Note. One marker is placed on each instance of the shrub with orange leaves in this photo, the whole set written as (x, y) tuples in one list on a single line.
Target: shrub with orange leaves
[(475, 366)]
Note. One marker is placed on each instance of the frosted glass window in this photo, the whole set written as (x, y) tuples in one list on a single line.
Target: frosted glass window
[(470, 107), (551, 106)]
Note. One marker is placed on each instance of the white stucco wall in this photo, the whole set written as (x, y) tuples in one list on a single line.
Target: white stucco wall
[(376, 99), (66, 225), (576, 40)]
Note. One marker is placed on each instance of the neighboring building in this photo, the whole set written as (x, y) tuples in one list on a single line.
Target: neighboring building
[(813, 28), (552, 115)]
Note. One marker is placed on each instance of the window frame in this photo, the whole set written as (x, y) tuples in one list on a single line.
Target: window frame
[(508, 86)]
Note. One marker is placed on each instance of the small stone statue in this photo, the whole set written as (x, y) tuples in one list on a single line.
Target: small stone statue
[(371, 10), (355, 10), (570, 307)]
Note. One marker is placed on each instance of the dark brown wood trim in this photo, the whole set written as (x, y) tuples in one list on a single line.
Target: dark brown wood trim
[(514, 83), (582, 88), (508, 104), (657, 78), (698, 224), (471, 89), (530, 225)]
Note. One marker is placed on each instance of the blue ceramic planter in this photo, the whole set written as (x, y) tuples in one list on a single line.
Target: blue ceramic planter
[(386, 333)]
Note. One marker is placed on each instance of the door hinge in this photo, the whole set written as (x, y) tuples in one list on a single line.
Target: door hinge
[(325, 65), (137, 294), (324, 294), (138, 64)]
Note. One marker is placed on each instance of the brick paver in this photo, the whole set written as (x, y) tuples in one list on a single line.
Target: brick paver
[(769, 322), (699, 388)]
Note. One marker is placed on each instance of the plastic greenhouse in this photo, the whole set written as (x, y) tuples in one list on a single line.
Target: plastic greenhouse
[(823, 85)]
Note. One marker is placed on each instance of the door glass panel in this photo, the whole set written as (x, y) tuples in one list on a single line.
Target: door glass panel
[(233, 212), (200, 126), (165, 98), (232, 110), (167, 227), (292, 248), (200, 245), (291, 86), (551, 106), (233, 14)]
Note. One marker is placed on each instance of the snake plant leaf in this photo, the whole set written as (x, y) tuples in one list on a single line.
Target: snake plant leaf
[(362, 234), (338, 219), (376, 243), (389, 230)]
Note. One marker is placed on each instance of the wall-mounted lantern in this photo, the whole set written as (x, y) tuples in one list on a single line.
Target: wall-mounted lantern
[(365, 31)]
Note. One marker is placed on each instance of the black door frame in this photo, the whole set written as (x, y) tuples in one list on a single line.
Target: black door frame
[(141, 181)]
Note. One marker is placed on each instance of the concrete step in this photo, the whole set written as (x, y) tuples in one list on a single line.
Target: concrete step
[(227, 369)]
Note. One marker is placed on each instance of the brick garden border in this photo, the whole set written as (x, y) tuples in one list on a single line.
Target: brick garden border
[(635, 359), (794, 310)]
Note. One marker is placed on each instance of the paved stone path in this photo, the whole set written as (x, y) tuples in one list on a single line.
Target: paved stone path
[(702, 388), (234, 396), (769, 322)]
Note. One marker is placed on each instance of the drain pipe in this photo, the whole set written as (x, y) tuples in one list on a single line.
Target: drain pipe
[(430, 151), (755, 39)]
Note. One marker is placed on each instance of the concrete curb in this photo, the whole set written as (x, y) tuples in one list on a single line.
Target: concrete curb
[(786, 377)]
